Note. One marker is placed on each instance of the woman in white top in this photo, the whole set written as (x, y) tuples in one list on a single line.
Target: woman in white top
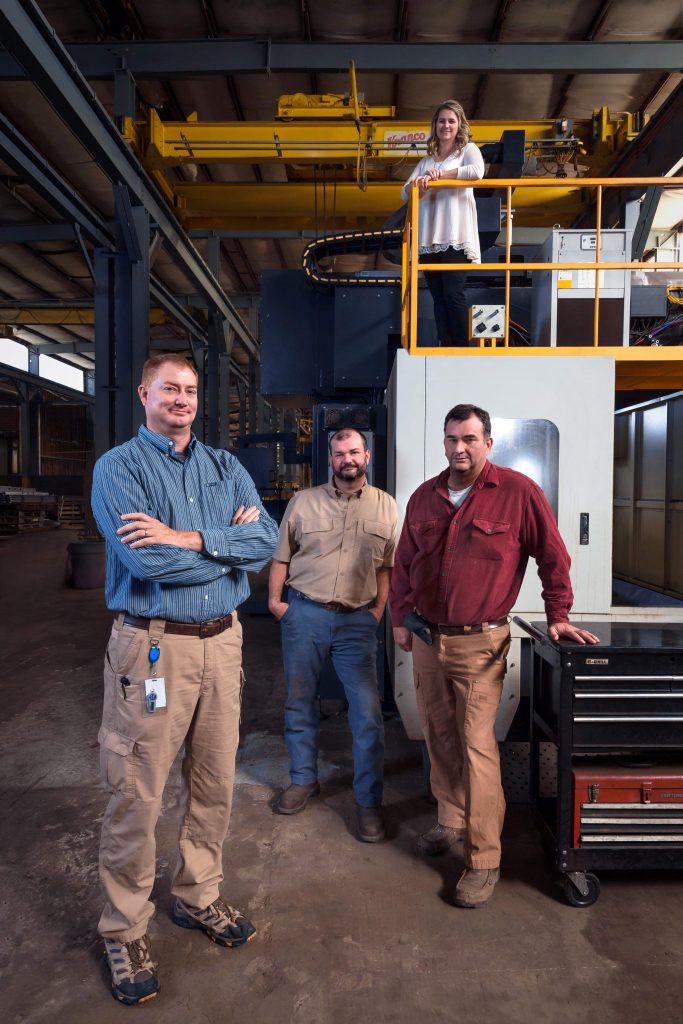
[(448, 230)]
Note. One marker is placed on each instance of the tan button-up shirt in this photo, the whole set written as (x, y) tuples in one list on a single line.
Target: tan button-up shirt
[(335, 544)]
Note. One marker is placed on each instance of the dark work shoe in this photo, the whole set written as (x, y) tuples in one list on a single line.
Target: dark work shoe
[(440, 839), (133, 973), (223, 924), (295, 797), (370, 824), (475, 887)]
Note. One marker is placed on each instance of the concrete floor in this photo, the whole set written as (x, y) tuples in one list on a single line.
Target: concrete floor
[(346, 931)]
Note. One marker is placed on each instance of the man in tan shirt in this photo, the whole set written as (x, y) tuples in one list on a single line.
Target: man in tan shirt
[(335, 553)]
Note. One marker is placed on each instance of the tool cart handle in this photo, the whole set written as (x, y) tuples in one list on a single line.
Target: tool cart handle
[(528, 628)]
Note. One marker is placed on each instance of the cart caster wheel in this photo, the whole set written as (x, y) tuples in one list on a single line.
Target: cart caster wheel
[(575, 898)]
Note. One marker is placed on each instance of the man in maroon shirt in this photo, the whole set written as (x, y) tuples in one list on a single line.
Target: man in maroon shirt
[(467, 536)]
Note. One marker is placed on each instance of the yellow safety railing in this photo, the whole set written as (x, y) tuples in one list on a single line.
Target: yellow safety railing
[(411, 265)]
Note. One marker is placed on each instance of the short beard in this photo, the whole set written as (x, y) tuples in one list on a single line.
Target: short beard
[(356, 470)]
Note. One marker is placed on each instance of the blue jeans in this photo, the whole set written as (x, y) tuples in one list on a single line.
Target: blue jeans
[(309, 634)]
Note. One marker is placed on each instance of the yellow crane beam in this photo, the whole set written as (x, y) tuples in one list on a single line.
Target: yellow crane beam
[(340, 139)]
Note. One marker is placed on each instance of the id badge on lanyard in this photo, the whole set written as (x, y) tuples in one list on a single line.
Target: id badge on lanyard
[(155, 686)]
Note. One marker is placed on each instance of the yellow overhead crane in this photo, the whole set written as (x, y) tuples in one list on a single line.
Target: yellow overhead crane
[(329, 139), (349, 160)]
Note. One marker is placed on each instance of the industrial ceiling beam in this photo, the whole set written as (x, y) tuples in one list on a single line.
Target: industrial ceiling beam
[(31, 40), (193, 57), (33, 168), (655, 152), (658, 146), (39, 231), (62, 314), (81, 348), (43, 384), (164, 297)]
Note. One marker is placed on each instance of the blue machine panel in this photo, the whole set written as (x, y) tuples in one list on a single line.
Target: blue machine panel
[(297, 324), (258, 463), (363, 320)]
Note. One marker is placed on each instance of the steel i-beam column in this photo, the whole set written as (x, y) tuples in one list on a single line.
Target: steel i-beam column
[(199, 354), (29, 432), (216, 346), (104, 425), (242, 415), (224, 392), (132, 311), (212, 367), (254, 418), (121, 327)]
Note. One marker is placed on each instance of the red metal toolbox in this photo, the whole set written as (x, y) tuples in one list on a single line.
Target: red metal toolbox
[(617, 803)]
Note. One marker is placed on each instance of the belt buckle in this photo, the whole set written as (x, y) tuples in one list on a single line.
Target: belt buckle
[(206, 628)]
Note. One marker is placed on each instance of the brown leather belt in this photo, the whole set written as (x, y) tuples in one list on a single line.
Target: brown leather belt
[(329, 606), (478, 627), (335, 606), (212, 627)]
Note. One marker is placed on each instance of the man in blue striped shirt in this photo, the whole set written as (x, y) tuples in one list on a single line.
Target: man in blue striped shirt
[(183, 525)]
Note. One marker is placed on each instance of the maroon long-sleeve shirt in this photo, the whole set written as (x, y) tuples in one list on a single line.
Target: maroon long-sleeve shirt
[(463, 566)]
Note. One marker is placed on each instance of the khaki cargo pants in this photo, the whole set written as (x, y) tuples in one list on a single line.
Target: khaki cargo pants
[(203, 687), (458, 684)]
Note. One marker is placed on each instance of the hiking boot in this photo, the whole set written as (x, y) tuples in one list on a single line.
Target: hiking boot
[(475, 887), (295, 797), (223, 924), (370, 824), (133, 973), (440, 839)]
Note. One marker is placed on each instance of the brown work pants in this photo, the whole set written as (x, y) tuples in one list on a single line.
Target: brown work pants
[(458, 682), (203, 687)]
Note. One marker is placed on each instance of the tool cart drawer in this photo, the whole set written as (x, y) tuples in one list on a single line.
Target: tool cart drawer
[(643, 710), (626, 806)]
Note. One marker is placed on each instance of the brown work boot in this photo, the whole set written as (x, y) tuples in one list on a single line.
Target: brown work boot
[(440, 839), (370, 824), (295, 797), (475, 887)]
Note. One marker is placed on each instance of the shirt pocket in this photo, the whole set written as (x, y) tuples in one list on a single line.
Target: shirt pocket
[(490, 539), (316, 535), (218, 502), (429, 535), (373, 538)]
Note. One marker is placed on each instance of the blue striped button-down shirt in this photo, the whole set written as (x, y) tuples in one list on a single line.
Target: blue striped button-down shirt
[(201, 492)]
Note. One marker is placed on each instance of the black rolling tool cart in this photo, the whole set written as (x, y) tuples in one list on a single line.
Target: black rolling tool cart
[(614, 715)]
